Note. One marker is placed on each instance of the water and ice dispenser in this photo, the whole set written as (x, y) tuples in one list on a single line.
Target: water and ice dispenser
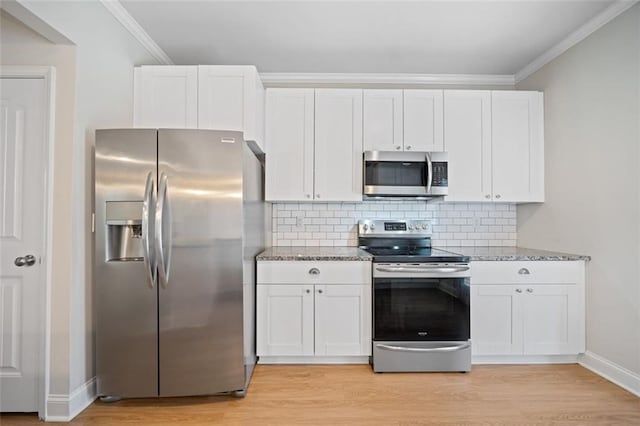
[(124, 231)]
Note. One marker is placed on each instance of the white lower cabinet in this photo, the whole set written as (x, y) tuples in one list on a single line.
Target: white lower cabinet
[(532, 312), (312, 318)]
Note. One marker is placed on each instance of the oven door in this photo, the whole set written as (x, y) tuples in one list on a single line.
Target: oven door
[(404, 174), (421, 309)]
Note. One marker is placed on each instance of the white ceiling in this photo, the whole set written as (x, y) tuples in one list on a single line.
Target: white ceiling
[(423, 37)]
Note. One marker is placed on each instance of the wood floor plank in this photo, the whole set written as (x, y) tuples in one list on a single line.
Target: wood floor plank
[(354, 395)]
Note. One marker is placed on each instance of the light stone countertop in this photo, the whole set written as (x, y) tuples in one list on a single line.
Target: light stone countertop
[(501, 253), (314, 253)]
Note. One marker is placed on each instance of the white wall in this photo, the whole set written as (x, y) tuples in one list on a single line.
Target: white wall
[(592, 160), (105, 56)]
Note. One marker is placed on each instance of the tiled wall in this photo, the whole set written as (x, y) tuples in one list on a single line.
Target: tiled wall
[(335, 224)]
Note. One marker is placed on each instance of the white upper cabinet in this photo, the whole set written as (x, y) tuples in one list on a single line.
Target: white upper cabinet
[(166, 96), (315, 145), (423, 120), (383, 120), (517, 130), (231, 98), (290, 135), (200, 97), (338, 145), (495, 142), (467, 129)]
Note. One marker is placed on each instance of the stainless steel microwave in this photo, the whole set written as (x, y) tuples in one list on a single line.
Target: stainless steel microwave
[(392, 174)]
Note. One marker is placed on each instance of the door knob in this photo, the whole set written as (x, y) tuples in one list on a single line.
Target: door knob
[(28, 260), (518, 290)]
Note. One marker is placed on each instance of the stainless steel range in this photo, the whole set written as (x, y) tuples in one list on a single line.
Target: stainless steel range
[(420, 299)]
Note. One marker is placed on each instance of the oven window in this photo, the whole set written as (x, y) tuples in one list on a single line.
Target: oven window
[(396, 173), (428, 309)]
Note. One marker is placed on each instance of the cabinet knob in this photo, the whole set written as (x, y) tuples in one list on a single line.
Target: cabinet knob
[(314, 271), (317, 195), (397, 147), (524, 271), (488, 196), (497, 196), (408, 147), (518, 290), (320, 291), (529, 290), (308, 195), (307, 291)]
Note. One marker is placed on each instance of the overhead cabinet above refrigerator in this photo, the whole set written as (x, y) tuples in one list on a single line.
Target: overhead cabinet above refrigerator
[(179, 217)]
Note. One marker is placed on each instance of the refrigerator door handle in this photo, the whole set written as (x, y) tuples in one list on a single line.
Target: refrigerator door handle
[(163, 264), (149, 254)]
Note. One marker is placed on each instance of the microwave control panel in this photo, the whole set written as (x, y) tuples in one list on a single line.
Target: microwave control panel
[(440, 173)]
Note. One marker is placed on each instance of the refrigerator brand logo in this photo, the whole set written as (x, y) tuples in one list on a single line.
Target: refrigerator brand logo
[(422, 333), (228, 140)]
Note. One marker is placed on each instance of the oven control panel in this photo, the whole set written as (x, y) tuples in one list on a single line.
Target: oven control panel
[(394, 227)]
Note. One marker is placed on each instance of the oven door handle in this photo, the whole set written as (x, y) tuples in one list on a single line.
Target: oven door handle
[(440, 349), (441, 269)]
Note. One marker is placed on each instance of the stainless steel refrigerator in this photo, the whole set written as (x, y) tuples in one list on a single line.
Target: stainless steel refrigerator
[(179, 218)]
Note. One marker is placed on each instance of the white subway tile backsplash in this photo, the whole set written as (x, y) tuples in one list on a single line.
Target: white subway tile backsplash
[(335, 224)]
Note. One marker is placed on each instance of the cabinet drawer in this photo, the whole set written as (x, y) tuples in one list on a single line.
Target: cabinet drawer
[(527, 272), (299, 272)]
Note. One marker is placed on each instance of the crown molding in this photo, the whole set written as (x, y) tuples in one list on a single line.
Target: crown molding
[(127, 21), (575, 37), (275, 78)]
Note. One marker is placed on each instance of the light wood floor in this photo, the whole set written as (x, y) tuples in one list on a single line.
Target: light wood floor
[(353, 395)]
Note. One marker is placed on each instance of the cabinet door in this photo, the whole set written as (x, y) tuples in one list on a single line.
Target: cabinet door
[(496, 320), (382, 120), (284, 318), (166, 96), (467, 139), (423, 120), (517, 146), (289, 131), (229, 99), (343, 320), (552, 320), (338, 145)]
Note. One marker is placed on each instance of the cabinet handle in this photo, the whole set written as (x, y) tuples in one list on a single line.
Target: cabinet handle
[(397, 147), (320, 291), (488, 196), (408, 147), (307, 291), (529, 290), (497, 196), (524, 271), (314, 271), (518, 290)]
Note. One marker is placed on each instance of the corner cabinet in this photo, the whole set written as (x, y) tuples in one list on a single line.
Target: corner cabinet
[(315, 145), (314, 312), (495, 141), (524, 310), (200, 97)]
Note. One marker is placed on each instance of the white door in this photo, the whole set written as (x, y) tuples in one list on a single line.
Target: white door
[(551, 320), (166, 96), (338, 145), (423, 120), (289, 135), (517, 143), (496, 320), (22, 179), (343, 320), (383, 120), (467, 139), (284, 319)]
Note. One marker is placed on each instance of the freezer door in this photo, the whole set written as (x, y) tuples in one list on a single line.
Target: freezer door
[(199, 239), (125, 296)]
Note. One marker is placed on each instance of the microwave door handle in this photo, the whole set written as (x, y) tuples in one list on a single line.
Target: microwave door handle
[(429, 173)]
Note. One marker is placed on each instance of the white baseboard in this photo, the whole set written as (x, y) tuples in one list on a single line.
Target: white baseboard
[(524, 359), (63, 408), (611, 371), (313, 360)]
